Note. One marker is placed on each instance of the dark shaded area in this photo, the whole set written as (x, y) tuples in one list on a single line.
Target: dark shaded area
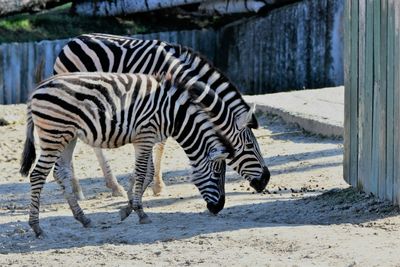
[(338, 206), (293, 47)]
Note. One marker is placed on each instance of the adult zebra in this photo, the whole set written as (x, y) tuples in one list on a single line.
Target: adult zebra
[(109, 53), (108, 110)]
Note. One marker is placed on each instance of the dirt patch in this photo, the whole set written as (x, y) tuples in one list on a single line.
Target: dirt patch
[(307, 215)]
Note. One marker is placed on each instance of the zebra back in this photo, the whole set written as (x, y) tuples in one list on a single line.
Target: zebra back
[(93, 52)]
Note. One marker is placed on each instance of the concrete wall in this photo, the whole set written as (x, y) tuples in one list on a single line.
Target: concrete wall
[(294, 47)]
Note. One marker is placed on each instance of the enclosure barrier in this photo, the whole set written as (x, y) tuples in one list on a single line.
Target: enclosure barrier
[(372, 97), (22, 65), (294, 47)]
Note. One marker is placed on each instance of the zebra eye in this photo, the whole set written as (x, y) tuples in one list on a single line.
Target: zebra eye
[(249, 145)]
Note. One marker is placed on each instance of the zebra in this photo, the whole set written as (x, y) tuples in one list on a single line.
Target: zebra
[(110, 53), (108, 110)]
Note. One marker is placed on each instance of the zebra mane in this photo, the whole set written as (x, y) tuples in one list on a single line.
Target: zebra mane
[(182, 87), (253, 123), (193, 93), (225, 78)]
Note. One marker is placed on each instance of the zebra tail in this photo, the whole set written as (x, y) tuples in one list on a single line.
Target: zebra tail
[(29, 153)]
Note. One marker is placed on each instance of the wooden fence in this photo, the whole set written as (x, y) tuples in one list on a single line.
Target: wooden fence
[(372, 96), (23, 64), (294, 47)]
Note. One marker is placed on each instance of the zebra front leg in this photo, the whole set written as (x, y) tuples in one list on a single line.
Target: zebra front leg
[(111, 181), (139, 183), (159, 184), (63, 173)]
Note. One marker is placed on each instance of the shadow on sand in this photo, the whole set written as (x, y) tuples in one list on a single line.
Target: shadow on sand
[(338, 206)]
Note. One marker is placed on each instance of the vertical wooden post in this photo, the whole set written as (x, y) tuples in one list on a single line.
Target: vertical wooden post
[(372, 104)]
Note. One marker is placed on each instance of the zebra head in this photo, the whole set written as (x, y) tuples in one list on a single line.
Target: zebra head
[(209, 168), (247, 159), (212, 189), (206, 148)]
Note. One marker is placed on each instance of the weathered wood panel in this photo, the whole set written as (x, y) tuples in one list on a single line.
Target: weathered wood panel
[(396, 105), (300, 44), (22, 65), (390, 101), (372, 113)]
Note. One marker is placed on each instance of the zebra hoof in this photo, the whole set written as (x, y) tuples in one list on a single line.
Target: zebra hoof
[(86, 223), (38, 231), (79, 195), (125, 212), (119, 191), (144, 219), (158, 189)]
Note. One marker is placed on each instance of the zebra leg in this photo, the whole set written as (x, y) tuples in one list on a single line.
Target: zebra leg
[(149, 174), (138, 183), (65, 164), (37, 180), (111, 181), (49, 154), (76, 187), (64, 177), (159, 184)]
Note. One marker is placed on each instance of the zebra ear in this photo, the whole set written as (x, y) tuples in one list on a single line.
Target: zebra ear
[(248, 119)]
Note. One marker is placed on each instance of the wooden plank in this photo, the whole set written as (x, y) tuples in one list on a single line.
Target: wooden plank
[(382, 174), (31, 69), (365, 93), (15, 64), (390, 100), (2, 74), (354, 93), (347, 87), (7, 75), (24, 72), (396, 106), (367, 100), (378, 115)]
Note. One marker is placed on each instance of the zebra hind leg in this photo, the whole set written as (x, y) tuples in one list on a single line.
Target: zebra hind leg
[(37, 180), (159, 185), (111, 181), (63, 173), (65, 165), (48, 157)]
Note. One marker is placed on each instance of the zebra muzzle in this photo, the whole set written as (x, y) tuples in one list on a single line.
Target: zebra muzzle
[(259, 184), (214, 208)]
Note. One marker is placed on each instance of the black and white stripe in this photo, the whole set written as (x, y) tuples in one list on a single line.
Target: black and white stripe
[(101, 52), (108, 110)]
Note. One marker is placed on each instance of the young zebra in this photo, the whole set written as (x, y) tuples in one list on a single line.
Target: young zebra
[(108, 110), (109, 53)]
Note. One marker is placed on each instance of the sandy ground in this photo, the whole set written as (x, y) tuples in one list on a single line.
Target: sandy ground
[(307, 216)]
